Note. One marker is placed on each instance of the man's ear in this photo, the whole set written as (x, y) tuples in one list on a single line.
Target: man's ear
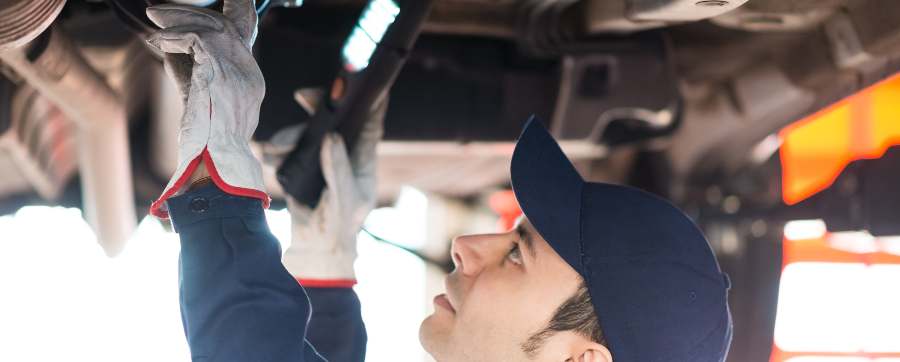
[(578, 348), (594, 353)]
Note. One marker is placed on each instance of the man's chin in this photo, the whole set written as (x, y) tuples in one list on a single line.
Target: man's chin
[(433, 334)]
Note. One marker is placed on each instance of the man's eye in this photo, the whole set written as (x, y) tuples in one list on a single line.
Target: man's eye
[(515, 255)]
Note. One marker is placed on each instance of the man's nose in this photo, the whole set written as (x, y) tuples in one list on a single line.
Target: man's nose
[(472, 252)]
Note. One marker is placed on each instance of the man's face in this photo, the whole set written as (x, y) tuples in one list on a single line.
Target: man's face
[(505, 288)]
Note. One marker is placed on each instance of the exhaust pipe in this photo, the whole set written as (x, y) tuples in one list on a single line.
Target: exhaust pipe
[(53, 65)]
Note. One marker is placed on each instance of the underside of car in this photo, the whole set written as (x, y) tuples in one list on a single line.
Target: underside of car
[(681, 98)]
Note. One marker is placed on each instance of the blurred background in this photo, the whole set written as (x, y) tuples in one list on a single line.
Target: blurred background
[(774, 124)]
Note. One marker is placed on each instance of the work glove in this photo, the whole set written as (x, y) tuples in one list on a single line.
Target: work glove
[(323, 240), (209, 55)]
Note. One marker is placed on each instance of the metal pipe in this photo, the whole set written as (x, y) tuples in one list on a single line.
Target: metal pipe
[(54, 66)]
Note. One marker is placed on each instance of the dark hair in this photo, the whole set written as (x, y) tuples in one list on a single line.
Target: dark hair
[(576, 314)]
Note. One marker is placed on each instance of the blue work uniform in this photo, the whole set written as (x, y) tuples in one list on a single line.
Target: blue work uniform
[(239, 303)]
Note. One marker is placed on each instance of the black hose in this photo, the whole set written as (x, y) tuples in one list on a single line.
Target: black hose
[(134, 12), (445, 266)]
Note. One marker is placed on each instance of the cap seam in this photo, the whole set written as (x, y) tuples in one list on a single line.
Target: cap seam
[(697, 348), (581, 254)]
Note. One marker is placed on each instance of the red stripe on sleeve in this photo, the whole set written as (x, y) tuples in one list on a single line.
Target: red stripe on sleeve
[(326, 283)]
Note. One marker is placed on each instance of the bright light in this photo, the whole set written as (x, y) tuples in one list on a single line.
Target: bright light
[(358, 49), (378, 17), (392, 282), (838, 307), (858, 242), (64, 300), (881, 309), (828, 359), (364, 38), (813, 304), (840, 359), (392, 292), (890, 245), (765, 148), (280, 225), (804, 229), (403, 224)]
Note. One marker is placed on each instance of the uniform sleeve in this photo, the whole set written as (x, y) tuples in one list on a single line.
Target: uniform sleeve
[(238, 303), (336, 327)]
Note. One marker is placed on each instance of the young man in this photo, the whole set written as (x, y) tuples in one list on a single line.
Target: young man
[(593, 272)]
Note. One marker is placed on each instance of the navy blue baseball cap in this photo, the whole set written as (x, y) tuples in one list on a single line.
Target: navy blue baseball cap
[(655, 284)]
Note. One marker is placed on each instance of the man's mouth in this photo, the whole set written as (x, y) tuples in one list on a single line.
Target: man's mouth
[(442, 301)]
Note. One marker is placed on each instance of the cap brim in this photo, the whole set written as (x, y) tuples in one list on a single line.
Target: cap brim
[(548, 189)]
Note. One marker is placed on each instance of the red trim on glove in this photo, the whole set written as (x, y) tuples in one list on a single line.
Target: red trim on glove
[(326, 283), (234, 190), (156, 207)]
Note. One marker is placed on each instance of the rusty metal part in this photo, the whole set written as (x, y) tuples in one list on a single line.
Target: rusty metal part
[(846, 48), (771, 79), (550, 18), (54, 66), (679, 10), (625, 16), (446, 168), (752, 20), (22, 21), (780, 15), (194, 2), (473, 17), (458, 170), (39, 142), (600, 91)]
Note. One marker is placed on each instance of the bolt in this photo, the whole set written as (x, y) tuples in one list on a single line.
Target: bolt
[(712, 3)]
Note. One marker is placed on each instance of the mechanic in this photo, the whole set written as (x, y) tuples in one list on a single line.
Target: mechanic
[(592, 272)]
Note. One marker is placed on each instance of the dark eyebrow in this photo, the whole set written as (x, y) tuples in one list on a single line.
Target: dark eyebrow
[(527, 239)]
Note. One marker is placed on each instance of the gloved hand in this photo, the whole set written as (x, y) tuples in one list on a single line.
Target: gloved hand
[(223, 89), (323, 240)]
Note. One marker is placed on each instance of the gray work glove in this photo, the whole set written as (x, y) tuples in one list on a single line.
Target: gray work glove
[(323, 246), (222, 87)]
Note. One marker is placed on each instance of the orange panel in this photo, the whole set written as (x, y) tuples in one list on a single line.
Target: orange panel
[(817, 148)]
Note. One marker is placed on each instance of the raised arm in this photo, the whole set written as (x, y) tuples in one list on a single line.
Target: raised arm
[(238, 302), (323, 246)]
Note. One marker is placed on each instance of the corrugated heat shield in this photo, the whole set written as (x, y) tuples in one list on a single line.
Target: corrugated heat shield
[(39, 141)]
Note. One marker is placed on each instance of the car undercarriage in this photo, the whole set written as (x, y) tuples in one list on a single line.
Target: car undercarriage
[(684, 99)]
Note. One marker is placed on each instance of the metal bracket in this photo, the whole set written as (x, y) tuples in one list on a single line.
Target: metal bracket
[(846, 47)]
